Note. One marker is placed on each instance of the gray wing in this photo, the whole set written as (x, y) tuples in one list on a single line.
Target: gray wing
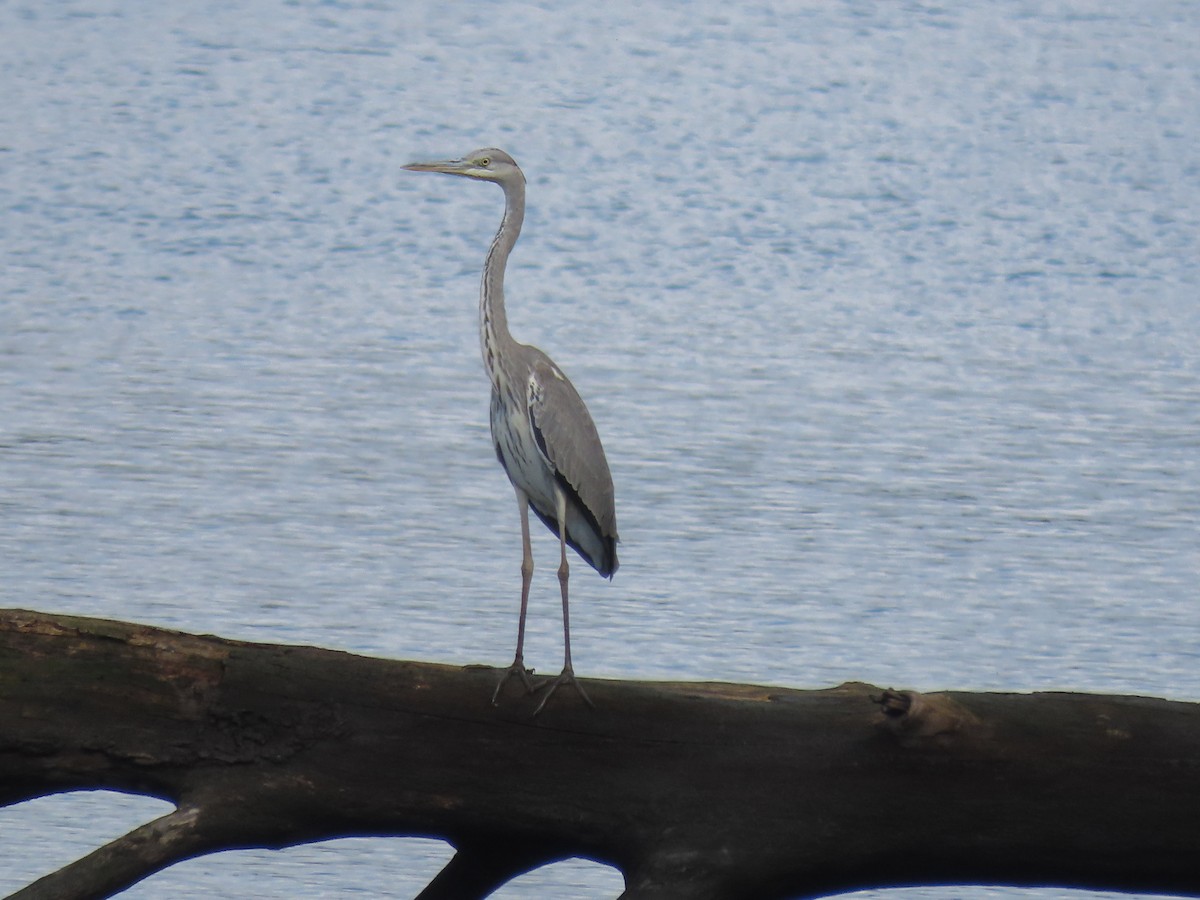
[(567, 436)]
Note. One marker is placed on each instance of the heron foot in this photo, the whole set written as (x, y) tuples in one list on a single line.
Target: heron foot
[(567, 676), (518, 670)]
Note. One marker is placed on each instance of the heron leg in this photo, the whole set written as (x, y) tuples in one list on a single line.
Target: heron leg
[(518, 664), (567, 676)]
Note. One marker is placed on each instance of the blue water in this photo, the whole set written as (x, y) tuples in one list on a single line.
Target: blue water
[(888, 314)]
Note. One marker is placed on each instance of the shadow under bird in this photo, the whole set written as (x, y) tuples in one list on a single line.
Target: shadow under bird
[(544, 437)]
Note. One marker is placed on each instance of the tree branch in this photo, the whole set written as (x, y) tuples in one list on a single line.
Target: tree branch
[(476, 870), (123, 862), (701, 791)]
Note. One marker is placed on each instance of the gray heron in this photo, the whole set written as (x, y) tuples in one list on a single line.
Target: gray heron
[(543, 434)]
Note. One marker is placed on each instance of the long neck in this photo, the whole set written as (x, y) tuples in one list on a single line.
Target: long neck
[(494, 337)]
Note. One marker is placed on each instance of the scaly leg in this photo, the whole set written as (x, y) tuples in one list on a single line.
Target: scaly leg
[(568, 673), (518, 664)]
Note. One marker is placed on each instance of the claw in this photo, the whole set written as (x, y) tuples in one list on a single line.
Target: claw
[(567, 676), (516, 669)]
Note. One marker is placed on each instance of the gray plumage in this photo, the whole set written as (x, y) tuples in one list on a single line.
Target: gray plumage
[(543, 434)]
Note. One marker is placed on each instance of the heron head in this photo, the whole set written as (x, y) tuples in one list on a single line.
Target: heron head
[(488, 164)]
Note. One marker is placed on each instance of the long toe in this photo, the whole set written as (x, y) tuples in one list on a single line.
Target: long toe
[(517, 670), (567, 676)]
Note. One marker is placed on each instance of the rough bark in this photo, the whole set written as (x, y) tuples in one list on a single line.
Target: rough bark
[(691, 790)]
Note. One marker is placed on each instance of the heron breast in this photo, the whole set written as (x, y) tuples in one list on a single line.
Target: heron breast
[(517, 449)]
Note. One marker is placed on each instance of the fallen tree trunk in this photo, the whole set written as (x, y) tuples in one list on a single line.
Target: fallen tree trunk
[(691, 790)]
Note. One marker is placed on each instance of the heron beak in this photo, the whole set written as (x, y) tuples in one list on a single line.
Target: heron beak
[(448, 166)]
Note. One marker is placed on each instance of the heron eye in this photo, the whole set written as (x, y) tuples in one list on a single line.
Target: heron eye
[(485, 162)]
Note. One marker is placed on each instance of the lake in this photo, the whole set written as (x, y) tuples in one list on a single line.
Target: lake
[(888, 315)]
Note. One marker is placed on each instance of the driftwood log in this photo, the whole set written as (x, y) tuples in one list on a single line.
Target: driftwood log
[(691, 790)]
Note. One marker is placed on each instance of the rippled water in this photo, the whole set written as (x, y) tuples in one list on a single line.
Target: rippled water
[(888, 315)]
